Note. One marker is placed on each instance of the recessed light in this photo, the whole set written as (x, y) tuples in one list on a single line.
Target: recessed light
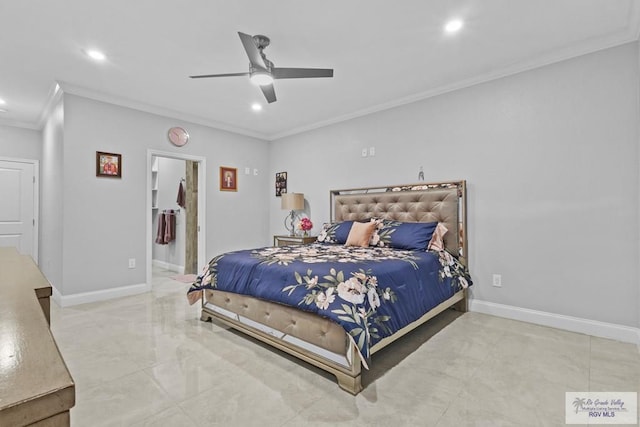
[(96, 54), (256, 107), (2, 101), (453, 26)]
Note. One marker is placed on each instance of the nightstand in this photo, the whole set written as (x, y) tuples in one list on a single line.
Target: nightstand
[(285, 240)]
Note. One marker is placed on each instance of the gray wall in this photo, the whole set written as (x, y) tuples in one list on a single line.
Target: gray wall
[(51, 202), (551, 159), (20, 143), (170, 171), (105, 219)]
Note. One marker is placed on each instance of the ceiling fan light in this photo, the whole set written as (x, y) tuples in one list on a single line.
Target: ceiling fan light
[(96, 55), (453, 26), (261, 78)]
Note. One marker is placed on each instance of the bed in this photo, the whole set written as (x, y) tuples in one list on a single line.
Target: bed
[(336, 302)]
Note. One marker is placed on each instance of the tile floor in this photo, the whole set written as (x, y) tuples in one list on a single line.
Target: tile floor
[(148, 360)]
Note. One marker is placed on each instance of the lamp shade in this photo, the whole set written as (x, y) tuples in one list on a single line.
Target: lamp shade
[(292, 201)]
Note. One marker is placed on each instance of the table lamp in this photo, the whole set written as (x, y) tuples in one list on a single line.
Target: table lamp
[(293, 202)]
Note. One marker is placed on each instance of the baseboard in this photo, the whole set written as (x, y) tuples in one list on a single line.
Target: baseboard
[(56, 296), (101, 295), (569, 323), (168, 266)]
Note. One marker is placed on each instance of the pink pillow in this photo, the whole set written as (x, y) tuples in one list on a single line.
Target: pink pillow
[(360, 234), (437, 240)]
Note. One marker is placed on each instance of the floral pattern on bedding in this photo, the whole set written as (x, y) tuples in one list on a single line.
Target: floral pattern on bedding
[(328, 232), (370, 292), (312, 254), (352, 292)]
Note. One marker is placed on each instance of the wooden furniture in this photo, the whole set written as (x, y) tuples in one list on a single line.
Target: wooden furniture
[(36, 388), (284, 240), (317, 340), (191, 218)]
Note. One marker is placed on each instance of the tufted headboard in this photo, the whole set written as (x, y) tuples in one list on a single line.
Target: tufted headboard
[(443, 202)]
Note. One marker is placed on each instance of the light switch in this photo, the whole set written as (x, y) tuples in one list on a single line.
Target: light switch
[(372, 151), (247, 171)]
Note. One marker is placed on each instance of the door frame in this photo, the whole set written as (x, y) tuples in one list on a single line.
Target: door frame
[(36, 200), (202, 214)]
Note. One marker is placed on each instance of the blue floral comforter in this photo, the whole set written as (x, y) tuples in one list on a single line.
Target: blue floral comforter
[(371, 292)]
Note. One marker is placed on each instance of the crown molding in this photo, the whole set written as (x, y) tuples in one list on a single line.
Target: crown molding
[(19, 124), (509, 70), (54, 96), (154, 109), (631, 34)]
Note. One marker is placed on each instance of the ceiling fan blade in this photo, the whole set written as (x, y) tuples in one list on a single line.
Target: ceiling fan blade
[(300, 73), (269, 93), (252, 50), (205, 76)]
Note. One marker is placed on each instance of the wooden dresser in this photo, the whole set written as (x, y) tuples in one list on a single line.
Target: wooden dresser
[(36, 388)]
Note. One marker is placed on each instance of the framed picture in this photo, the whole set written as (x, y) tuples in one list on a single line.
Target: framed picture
[(281, 183), (228, 179), (108, 165)]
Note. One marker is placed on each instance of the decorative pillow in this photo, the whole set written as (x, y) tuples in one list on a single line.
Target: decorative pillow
[(413, 236), (327, 234), (360, 234), (342, 232), (381, 236), (334, 232), (437, 240), (376, 239)]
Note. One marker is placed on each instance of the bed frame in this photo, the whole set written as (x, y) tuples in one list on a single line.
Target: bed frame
[(317, 340)]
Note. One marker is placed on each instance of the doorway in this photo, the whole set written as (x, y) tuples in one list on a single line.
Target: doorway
[(19, 210), (168, 175)]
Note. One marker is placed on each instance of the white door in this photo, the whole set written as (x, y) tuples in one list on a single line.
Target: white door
[(17, 207)]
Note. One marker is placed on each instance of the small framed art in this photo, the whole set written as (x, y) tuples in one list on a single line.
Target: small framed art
[(108, 165), (228, 179), (281, 183)]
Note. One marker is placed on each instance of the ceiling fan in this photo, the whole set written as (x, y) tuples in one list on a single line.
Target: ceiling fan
[(261, 70)]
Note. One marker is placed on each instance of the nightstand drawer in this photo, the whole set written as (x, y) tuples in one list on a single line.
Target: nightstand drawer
[(285, 240)]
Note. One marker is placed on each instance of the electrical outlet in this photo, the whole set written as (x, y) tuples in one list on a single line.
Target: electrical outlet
[(497, 280), (132, 263), (372, 151), (255, 172), (364, 152)]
